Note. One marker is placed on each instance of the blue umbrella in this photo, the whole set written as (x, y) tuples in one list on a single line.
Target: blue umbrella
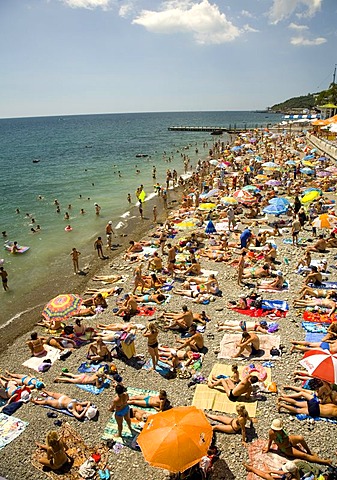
[(279, 201), (274, 209), (270, 164), (290, 162), (236, 148), (308, 157), (210, 228), (322, 159), (212, 192), (307, 171)]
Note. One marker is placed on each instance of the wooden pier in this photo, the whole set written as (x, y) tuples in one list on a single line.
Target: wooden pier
[(230, 129)]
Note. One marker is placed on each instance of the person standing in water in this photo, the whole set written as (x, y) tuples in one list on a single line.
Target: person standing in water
[(4, 276), (75, 256)]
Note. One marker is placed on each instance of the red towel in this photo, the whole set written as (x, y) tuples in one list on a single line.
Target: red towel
[(259, 312), (316, 317)]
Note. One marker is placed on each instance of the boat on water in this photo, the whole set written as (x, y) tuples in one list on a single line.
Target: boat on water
[(36, 160), (217, 132), (141, 155)]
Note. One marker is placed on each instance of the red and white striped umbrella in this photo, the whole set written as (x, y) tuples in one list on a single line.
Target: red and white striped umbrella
[(321, 364), (244, 197)]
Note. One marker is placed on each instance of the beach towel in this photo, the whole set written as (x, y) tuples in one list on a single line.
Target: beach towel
[(207, 273), (111, 428), (314, 337), (260, 460), (316, 317), (162, 368), (262, 288), (314, 327), (10, 428), (303, 416), (289, 241), (145, 311), (212, 399), (325, 286), (77, 450), (93, 389), (267, 342), (275, 305), (259, 312), (221, 226), (53, 354)]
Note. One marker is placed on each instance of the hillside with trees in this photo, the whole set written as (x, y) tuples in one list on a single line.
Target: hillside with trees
[(311, 101)]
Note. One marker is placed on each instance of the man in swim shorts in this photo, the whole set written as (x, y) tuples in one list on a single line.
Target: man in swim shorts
[(244, 387), (4, 276)]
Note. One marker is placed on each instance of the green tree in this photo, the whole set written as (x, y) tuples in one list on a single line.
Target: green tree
[(328, 96)]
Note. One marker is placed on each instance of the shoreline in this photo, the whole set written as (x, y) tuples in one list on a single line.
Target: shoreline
[(22, 322)]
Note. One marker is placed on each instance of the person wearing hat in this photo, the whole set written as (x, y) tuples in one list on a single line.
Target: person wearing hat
[(293, 446), (289, 471), (109, 231)]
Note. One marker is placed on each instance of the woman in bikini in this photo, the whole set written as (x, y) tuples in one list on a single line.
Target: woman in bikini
[(27, 380), (63, 402), (99, 352), (233, 425), (55, 448), (159, 402), (153, 297), (151, 333), (120, 405), (97, 379)]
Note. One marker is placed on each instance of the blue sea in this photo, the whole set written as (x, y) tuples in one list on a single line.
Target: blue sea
[(81, 160)]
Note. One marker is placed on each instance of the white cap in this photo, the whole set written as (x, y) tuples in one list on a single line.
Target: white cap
[(110, 223), (290, 467), (91, 412), (25, 396)]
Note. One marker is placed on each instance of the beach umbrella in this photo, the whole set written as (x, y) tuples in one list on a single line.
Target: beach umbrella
[(186, 224), (228, 201), (206, 206), (279, 201), (210, 228), (307, 171), (307, 163), (310, 196), (322, 159), (325, 221), (313, 150), (209, 194), (312, 189), (62, 307), (290, 162), (273, 183), (321, 364), (270, 165), (275, 209), (308, 157), (176, 439), (243, 196), (331, 169), (251, 188), (323, 173), (213, 162), (236, 148), (261, 177)]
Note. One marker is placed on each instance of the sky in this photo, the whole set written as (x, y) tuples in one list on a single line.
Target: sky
[(62, 57)]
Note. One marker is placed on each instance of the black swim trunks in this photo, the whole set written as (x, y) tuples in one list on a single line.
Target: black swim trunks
[(313, 407), (232, 398)]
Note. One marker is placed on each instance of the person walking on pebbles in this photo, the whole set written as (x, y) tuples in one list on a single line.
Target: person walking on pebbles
[(75, 257), (98, 245)]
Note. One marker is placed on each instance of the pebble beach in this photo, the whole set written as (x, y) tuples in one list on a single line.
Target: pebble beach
[(15, 458)]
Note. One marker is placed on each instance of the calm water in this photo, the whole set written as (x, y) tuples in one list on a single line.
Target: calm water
[(81, 156)]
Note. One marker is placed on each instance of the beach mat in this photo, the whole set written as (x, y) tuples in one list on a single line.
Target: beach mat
[(275, 305), (260, 460), (77, 450), (93, 389), (259, 312), (229, 340), (325, 286), (111, 428), (212, 399), (316, 317), (314, 337), (53, 354), (162, 368), (314, 327), (263, 288), (10, 428), (303, 416)]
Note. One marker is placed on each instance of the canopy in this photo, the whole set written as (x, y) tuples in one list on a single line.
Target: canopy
[(325, 221), (321, 364), (62, 307), (310, 196), (176, 439)]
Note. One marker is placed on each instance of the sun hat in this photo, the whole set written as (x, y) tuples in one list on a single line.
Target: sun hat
[(289, 467), (110, 223), (91, 412), (276, 424)]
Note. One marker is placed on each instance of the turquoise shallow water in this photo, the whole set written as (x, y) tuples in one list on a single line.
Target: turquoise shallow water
[(75, 152)]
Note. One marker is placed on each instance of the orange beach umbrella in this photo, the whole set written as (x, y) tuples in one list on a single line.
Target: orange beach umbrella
[(62, 307), (176, 439)]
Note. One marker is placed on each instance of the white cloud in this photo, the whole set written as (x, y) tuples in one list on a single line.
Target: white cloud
[(90, 4), (247, 14), (295, 26), (301, 41), (282, 9), (203, 20), (248, 28), (126, 10)]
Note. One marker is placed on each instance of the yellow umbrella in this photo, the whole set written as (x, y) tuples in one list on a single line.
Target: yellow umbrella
[(228, 201), (186, 224), (206, 206), (261, 177), (310, 196), (307, 163)]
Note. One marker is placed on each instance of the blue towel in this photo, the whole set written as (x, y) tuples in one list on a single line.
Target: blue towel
[(325, 286), (314, 337), (303, 416), (93, 389), (275, 305), (314, 327), (162, 368)]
